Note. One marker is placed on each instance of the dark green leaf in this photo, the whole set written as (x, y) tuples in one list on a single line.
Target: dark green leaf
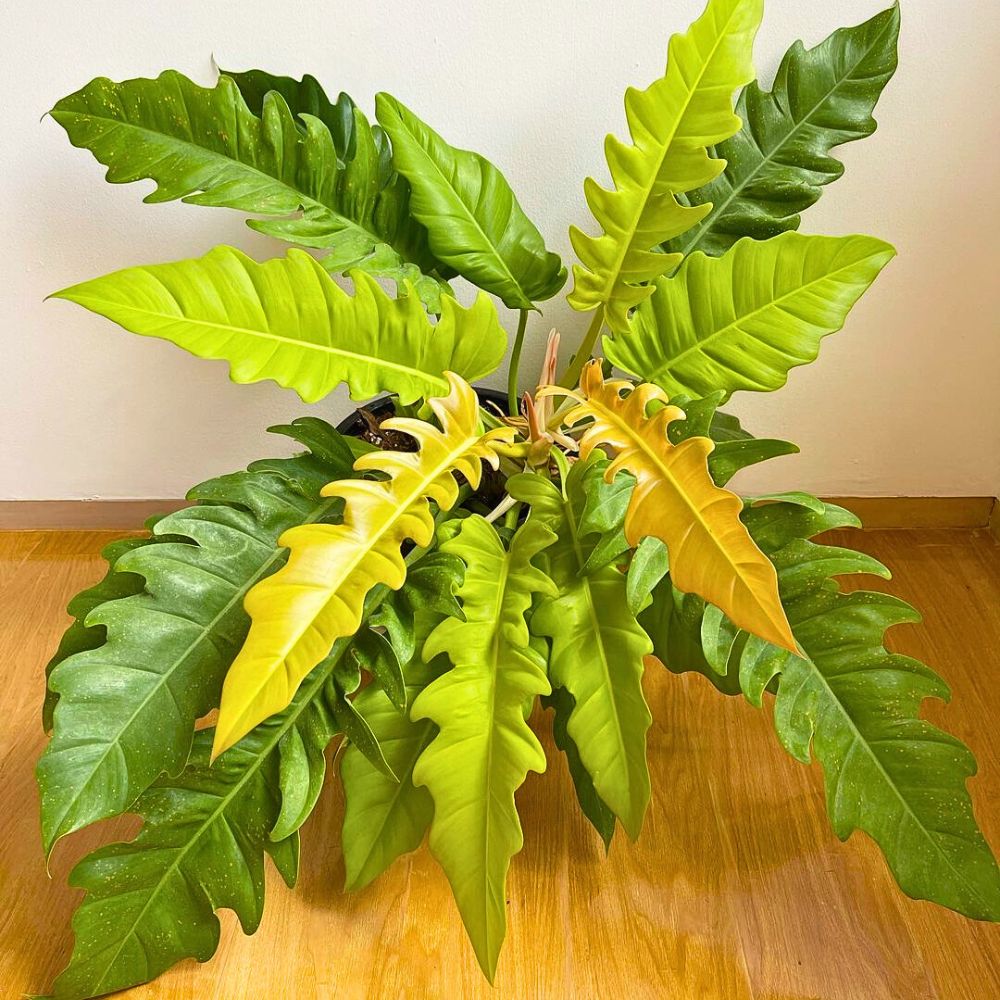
[(474, 223), (127, 707), (778, 164)]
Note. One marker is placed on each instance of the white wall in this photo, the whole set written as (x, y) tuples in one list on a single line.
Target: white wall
[(904, 401)]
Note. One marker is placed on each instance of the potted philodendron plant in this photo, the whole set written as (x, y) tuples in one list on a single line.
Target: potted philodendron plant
[(415, 586)]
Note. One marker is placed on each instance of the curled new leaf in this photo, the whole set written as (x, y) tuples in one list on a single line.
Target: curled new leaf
[(675, 500), (671, 123), (318, 597), (289, 321)]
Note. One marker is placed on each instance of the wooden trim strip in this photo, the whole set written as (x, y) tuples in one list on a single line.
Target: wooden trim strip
[(81, 515), (919, 512), (129, 515)]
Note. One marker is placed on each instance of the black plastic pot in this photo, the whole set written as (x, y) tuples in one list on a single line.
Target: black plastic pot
[(354, 424)]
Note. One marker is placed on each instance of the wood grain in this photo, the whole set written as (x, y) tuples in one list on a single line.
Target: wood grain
[(737, 888)]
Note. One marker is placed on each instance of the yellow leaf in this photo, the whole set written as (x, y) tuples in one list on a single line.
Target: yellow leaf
[(318, 596), (675, 500)]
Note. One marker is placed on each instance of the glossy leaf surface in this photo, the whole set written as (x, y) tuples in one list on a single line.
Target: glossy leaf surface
[(671, 123), (779, 162), (675, 500), (483, 751), (287, 320), (744, 320), (597, 648), (474, 222), (318, 596), (127, 704)]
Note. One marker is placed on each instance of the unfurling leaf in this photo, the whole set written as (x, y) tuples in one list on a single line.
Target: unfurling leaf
[(675, 500), (744, 320), (597, 647), (298, 613), (672, 123), (778, 163), (289, 321), (474, 222), (482, 754), (855, 706), (163, 629)]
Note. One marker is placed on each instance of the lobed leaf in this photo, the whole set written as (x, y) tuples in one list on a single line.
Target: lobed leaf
[(287, 320), (855, 706), (318, 596), (597, 647), (474, 222), (322, 180), (777, 165), (482, 754), (164, 627), (744, 320), (672, 124), (675, 500)]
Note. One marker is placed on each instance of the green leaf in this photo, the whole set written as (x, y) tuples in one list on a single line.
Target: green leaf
[(150, 902), (600, 816), (127, 706), (597, 648), (483, 753), (204, 145), (856, 706), (287, 320), (777, 165), (384, 819), (474, 222), (650, 564), (671, 123), (742, 321)]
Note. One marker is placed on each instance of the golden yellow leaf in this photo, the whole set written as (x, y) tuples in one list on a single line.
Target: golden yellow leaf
[(318, 596), (675, 500)]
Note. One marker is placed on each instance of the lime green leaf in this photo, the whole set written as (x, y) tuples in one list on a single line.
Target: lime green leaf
[(779, 162), (671, 124), (287, 320), (333, 190), (384, 819), (597, 648), (742, 321), (482, 754), (649, 565), (856, 706), (168, 634), (474, 222)]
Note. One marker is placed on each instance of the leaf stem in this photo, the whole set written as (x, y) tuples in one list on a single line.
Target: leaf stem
[(515, 364), (572, 374)]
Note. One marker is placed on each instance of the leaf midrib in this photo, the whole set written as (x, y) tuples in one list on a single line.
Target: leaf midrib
[(318, 512), (305, 199), (262, 334), (699, 346), (719, 209), (626, 245)]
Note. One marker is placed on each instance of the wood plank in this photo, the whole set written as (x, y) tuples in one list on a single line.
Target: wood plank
[(736, 889)]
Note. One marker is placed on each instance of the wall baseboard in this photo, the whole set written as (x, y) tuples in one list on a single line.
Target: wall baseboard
[(81, 515), (129, 515)]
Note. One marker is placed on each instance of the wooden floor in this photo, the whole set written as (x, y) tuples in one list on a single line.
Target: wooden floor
[(737, 888)]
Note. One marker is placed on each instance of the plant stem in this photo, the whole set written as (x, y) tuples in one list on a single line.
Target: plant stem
[(515, 364), (572, 374)]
